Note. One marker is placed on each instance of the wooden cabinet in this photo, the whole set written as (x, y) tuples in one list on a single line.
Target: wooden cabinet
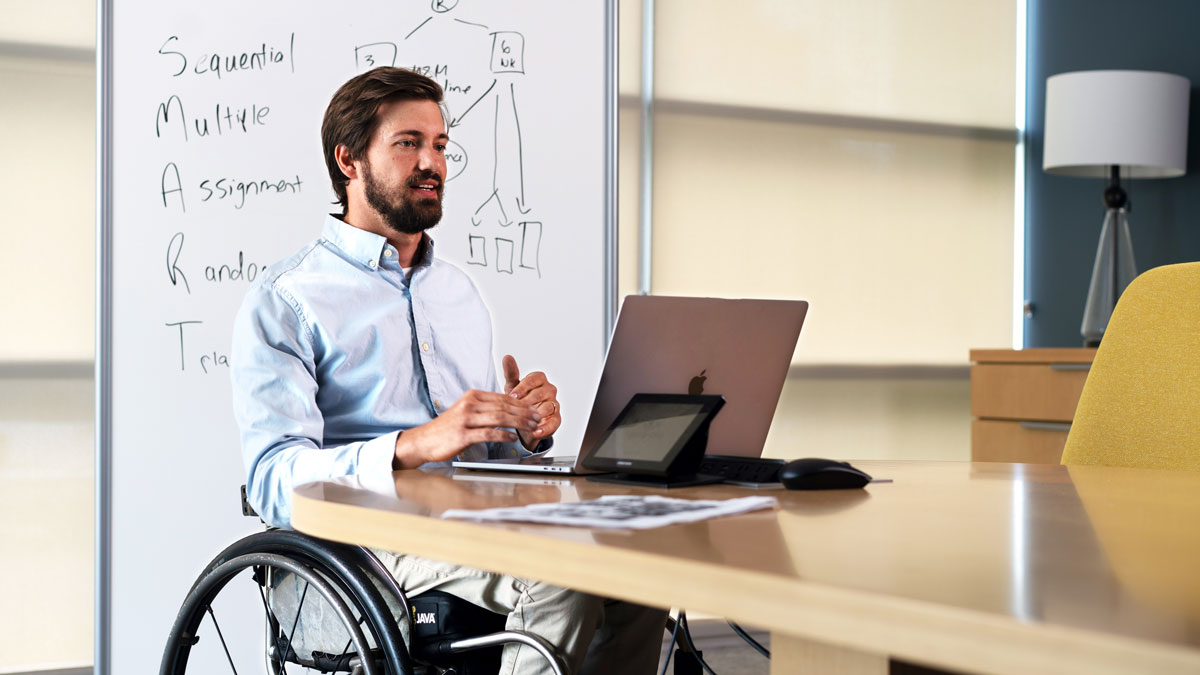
[(1023, 401)]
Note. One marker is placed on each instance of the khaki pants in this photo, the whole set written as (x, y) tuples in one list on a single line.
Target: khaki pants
[(595, 635)]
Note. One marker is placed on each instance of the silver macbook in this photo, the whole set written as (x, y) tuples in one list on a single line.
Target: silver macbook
[(740, 349)]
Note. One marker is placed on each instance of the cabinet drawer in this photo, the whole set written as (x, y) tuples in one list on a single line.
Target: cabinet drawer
[(1018, 391), (1002, 441)]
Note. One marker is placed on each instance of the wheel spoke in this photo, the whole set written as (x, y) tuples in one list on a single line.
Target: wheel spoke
[(362, 620), (222, 638), (283, 654), (296, 621)]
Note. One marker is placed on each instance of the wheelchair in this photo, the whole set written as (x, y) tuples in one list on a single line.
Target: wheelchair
[(330, 608)]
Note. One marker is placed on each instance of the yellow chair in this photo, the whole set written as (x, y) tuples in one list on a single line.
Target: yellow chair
[(1141, 404)]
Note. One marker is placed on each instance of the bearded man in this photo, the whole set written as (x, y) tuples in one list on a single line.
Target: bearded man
[(364, 353)]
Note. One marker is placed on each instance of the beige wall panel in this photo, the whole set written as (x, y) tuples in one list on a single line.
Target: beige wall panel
[(851, 418), (901, 242), (628, 190), (47, 177), (46, 496), (61, 23), (931, 60), (629, 51)]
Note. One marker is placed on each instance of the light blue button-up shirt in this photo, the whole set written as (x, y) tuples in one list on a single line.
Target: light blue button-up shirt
[(336, 351)]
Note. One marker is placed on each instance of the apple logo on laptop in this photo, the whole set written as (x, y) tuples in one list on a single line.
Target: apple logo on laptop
[(696, 386)]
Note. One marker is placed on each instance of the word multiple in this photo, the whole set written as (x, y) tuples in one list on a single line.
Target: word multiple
[(225, 119)]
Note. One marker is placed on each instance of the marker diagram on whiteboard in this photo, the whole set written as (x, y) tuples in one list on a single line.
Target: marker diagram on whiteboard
[(505, 234), (222, 107), (213, 170)]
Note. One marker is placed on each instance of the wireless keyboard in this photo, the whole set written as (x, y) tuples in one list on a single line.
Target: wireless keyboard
[(750, 471)]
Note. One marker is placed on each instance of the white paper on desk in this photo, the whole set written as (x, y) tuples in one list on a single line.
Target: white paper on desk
[(633, 512)]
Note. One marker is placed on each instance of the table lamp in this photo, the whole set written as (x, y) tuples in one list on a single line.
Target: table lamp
[(1114, 124)]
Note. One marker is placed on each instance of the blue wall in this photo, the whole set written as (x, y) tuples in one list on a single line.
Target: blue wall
[(1063, 215)]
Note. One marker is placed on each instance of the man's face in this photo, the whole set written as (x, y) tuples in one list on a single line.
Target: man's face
[(405, 165)]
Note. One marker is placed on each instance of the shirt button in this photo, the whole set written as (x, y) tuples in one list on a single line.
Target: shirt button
[(387, 253), (437, 404), (425, 347), (371, 263)]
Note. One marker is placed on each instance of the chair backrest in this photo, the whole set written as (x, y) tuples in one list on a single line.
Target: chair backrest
[(1141, 404)]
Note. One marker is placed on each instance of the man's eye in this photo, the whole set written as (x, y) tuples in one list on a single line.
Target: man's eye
[(440, 148), (405, 144)]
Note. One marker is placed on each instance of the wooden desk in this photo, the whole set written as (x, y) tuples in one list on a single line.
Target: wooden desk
[(976, 567)]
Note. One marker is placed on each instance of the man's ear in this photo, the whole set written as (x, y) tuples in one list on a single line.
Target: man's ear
[(345, 162)]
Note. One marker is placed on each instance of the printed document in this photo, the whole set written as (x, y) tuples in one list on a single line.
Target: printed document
[(636, 512)]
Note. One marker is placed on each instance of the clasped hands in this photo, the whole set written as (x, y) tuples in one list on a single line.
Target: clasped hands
[(528, 405)]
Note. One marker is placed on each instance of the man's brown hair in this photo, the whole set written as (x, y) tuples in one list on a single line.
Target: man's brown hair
[(350, 118)]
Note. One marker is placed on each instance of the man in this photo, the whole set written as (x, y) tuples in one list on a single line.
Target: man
[(364, 353)]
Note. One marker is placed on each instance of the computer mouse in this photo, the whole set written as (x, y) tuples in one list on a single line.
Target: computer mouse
[(821, 474)]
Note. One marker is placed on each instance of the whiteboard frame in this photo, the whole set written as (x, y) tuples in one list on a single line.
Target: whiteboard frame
[(102, 633), (103, 371)]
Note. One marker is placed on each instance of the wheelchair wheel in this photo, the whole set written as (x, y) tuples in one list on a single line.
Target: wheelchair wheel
[(322, 613), (275, 653), (327, 608)]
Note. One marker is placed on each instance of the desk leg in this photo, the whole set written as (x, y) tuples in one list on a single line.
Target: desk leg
[(796, 655)]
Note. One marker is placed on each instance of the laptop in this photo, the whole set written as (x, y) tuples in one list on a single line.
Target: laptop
[(740, 349)]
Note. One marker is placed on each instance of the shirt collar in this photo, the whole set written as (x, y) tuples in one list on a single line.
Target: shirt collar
[(365, 247)]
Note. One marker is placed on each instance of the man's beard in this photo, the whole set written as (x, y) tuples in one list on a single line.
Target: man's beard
[(410, 216)]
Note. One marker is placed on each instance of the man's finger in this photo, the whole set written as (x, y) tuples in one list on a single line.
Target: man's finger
[(488, 435), (512, 376), (546, 392), (547, 428), (531, 382), (489, 398), (501, 415), (500, 402), (500, 418)]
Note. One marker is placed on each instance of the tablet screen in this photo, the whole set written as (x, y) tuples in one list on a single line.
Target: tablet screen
[(648, 431)]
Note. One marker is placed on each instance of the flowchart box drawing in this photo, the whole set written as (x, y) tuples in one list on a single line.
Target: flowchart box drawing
[(508, 52), (478, 250), (504, 255)]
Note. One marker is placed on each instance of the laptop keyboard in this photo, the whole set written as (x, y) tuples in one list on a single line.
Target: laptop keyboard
[(751, 471)]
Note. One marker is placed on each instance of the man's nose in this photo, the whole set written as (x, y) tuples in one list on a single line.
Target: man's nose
[(429, 159)]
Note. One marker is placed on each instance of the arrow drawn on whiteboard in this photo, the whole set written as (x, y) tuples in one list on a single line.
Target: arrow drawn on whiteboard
[(485, 202), (520, 151), (496, 144), (458, 120), (495, 196), (418, 27)]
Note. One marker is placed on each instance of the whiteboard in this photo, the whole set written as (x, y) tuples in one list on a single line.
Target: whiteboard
[(211, 169)]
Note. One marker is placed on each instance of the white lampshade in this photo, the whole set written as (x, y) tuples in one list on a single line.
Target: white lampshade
[(1135, 119)]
